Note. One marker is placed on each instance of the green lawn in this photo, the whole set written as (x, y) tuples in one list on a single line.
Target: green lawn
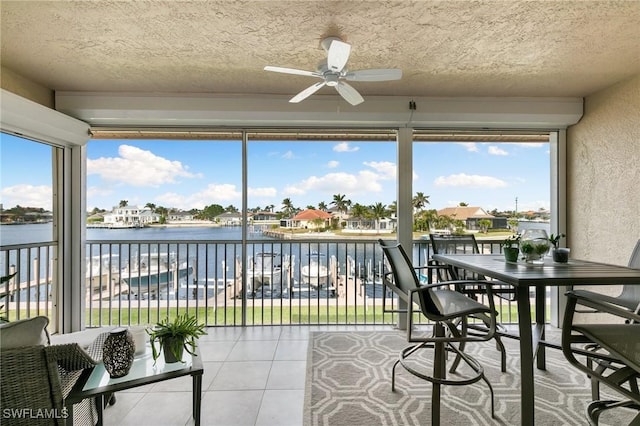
[(261, 315), (277, 315)]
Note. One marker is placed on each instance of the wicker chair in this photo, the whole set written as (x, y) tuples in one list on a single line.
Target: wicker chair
[(35, 381)]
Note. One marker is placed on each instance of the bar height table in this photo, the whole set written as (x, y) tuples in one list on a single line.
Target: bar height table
[(523, 276)]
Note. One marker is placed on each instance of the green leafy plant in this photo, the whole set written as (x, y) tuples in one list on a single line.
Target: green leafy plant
[(510, 248), (555, 239), (511, 242), (530, 248), (181, 333)]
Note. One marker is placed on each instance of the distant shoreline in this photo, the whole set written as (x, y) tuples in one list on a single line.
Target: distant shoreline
[(186, 225)]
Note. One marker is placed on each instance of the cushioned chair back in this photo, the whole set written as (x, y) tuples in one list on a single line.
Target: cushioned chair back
[(632, 292), (405, 278), (26, 383)]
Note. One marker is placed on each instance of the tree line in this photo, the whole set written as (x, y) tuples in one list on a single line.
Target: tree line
[(424, 219)]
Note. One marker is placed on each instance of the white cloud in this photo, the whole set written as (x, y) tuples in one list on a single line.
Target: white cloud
[(138, 167), (292, 190), (345, 147), (470, 181), (333, 183), (289, 155), (26, 195), (174, 200), (262, 192), (531, 144), (333, 164), (222, 194), (98, 191), (386, 169), (469, 146), (494, 150)]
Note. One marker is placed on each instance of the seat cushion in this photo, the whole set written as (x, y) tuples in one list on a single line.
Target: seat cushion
[(26, 332)]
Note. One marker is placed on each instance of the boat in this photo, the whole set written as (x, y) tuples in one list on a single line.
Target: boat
[(102, 277), (316, 272), (153, 274), (264, 269)]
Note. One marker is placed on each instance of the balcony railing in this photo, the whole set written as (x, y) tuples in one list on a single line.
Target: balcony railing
[(30, 291), (302, 281)]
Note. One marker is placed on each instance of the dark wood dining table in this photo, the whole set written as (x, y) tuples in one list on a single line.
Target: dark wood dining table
[(523, 277)]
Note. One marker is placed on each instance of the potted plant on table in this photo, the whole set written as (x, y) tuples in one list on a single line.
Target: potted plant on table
[(510, 248), (559, 254), (174, 337)]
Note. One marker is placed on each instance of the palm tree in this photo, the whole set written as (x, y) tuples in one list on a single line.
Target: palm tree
[(123, 203), (484, 225), (318, 223), (288, 208), (341, 203), (393, 208), (359, 212), (151, 207), (419, 201), (378, 210), (322, 206)]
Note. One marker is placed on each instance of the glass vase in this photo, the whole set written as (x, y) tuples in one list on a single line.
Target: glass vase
[(117, 352), (534, 245)]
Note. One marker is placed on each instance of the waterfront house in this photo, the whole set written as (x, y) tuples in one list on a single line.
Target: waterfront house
[(368, 225), (264, 217), (471, 216), (311, 219), (229, 219), (130, 216), (180, 216)]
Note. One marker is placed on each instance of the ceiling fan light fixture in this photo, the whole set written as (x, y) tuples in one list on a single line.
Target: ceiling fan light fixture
[(331, 79)]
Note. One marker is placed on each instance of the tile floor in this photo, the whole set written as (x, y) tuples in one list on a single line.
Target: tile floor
[(253, 376)]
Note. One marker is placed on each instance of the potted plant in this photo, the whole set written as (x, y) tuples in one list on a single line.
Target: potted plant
[(174, 337), (559, 254), (510, 248)]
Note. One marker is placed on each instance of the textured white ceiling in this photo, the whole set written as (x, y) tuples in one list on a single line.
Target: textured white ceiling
[(445, 48)]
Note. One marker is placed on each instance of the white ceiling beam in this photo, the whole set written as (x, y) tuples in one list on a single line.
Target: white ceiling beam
[(22, 117), (149, 110)]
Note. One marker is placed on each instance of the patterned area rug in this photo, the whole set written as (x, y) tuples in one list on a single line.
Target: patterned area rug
[(349, 383)]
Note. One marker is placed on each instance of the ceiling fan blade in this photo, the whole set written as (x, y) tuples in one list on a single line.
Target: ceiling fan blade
[(374, 75), (338, 55), (307, 92), (292, 71), (349, 94)]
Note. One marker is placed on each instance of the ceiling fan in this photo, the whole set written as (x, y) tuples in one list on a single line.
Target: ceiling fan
[(333, 71)]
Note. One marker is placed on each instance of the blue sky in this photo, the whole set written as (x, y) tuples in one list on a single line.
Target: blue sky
[(192, 174)]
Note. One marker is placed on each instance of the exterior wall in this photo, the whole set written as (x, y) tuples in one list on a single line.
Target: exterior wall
[(603, 175), (21, 86)]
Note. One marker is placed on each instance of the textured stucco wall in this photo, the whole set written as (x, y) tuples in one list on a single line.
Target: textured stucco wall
[(603, 152), (21, 86)]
